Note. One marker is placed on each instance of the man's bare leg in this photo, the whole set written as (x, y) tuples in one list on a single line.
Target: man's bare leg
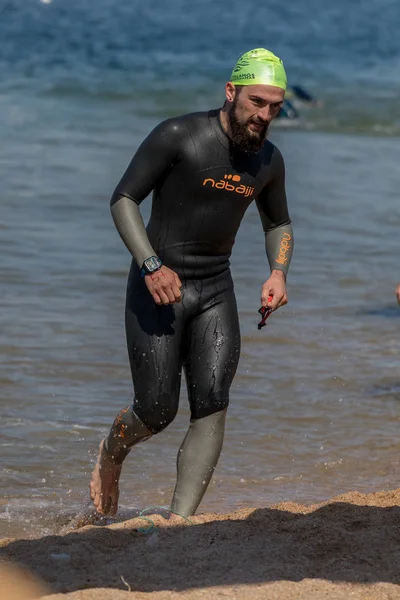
[(104, 484), (126, 431)]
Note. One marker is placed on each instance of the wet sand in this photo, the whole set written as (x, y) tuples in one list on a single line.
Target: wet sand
[(347, 547)]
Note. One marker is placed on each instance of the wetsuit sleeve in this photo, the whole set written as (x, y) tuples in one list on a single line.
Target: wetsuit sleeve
[(154, 159), (272, 206)]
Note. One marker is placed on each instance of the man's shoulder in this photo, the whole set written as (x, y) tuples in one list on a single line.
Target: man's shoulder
[(270, 147), (183, 129), (187, 120), (271, 153)]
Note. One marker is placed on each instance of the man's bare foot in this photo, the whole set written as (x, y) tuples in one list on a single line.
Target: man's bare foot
[(104, 488)]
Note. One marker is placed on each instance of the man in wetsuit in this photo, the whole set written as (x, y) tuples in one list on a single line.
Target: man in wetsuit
[(204, 170)]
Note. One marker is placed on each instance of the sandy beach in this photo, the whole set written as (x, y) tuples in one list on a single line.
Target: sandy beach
[(347, 547)]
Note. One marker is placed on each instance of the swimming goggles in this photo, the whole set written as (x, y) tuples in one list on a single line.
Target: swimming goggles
[(264, 311)]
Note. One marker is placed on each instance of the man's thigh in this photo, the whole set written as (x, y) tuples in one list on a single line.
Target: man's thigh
[(154, 338), (212, 356)]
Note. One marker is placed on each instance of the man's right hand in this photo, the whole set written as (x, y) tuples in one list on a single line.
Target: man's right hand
[(164, 285), (398, 293)]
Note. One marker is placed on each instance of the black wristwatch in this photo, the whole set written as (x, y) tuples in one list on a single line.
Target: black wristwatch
[(150, 265)]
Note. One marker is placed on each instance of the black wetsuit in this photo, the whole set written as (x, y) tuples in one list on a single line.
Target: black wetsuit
[(202, 186)]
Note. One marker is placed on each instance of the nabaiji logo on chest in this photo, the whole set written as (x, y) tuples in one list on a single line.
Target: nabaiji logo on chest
[(228, 183)]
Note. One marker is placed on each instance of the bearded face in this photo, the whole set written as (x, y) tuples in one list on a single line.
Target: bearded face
[(248, 133)]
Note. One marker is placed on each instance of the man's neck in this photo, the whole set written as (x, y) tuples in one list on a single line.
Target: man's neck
[(223, 119)]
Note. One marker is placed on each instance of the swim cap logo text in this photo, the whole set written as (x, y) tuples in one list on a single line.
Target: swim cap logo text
[(284, 248), (242, 76), (225, 184)]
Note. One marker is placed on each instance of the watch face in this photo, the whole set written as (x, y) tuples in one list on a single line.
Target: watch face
[(152, 264)]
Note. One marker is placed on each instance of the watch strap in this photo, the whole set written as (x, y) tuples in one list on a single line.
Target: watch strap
[(150, 265)]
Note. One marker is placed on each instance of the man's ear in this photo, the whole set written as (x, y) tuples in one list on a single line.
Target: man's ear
[(230, 92)]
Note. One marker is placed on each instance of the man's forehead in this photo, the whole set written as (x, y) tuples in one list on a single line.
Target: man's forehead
[(267, 92)]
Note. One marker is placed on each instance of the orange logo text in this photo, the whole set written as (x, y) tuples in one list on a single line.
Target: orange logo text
[(284, 248), (227, 183)]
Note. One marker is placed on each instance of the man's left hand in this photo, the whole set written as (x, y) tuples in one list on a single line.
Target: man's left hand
[(275, 286)]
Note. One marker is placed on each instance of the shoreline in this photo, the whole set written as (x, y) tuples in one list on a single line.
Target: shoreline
[(345, 547)]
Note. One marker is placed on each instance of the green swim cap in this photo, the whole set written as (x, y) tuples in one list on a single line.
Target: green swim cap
[(259, 66)]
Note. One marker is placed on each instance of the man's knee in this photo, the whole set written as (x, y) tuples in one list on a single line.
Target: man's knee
[(212, 403), (158, 413)]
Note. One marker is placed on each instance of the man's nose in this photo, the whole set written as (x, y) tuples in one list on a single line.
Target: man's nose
[(264, 114)]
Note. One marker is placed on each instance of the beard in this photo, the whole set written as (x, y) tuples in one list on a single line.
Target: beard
[(242, 137)]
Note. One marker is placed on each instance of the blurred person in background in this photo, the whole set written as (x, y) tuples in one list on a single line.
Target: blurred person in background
[(295, 97)]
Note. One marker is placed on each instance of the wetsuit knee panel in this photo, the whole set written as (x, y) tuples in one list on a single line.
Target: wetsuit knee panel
[(214, 403), (158, 414)]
